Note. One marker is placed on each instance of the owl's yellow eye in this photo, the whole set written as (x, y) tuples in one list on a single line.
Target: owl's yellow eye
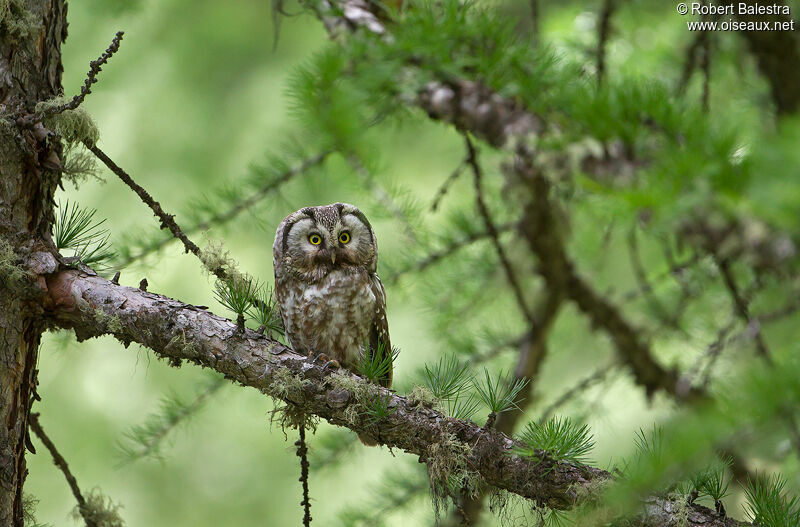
[(315, 239), (344, 237)]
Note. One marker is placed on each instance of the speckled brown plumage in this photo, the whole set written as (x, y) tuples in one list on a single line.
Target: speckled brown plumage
[(329, 293)]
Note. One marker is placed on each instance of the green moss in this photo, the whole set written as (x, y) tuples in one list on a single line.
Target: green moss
[(74, 126), (214, 257), (293, 417), (449, 471), (10, 271), (359, 389), (15, 21), (99, 510), (111, 323), (285, 383), (421, 395)]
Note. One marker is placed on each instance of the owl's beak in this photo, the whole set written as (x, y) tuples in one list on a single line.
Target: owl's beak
[(333, 258)]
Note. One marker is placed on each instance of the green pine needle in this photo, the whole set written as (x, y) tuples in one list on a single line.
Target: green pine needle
[(448, 378), (378, 407), (237, 294), (376, 364), (499, 395), (75, 229), (561, 438), (264, 310), (768, 505), (712, 480), (650, 446), (463, 408)]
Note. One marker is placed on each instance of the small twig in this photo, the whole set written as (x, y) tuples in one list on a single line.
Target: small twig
[(598, 375), (61, 463), (689, 63), (95, 67), (497, 349), (644, 286), (442, 191), (535, 21), (603, 34), (705, 67), (674, 268), (167, 220), (302, 452), (472, 160), (713, 352), (236, 209), (439, 255), (381, 196), (150, 444), (742, 308)]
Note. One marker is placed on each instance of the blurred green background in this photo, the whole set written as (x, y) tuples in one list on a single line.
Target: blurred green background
[(197, 94)]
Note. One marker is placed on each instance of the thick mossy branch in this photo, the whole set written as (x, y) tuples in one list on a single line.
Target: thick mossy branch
[(72, 299), (252, 359)]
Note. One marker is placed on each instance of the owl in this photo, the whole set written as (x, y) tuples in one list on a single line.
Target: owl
[(331, 300)]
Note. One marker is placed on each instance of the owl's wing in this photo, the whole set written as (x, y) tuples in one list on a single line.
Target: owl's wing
[(379, 329)]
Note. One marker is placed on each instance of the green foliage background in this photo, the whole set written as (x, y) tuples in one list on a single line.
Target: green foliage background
[(194, 97)]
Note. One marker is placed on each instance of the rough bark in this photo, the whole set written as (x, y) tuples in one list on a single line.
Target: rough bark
[(31, 33)]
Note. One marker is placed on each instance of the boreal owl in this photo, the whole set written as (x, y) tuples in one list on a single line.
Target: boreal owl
[(331, 300)]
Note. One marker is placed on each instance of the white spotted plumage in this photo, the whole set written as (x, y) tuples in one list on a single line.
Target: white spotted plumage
[(330, 297)]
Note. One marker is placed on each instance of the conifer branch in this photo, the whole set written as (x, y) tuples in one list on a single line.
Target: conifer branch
[(178, 331), (541, 230), (167, 220), (603, 34), (61, 463), (445, 187), (494, 235), (235, 209), (440, 254), (95, 67), (381, 196)]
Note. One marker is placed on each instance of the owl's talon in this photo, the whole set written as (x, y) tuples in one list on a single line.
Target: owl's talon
[(333, 363), (319, 357)]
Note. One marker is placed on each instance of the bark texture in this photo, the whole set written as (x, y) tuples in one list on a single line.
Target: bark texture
[(31, 33)]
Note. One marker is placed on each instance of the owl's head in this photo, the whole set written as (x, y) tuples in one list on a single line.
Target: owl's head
[(315, 240)]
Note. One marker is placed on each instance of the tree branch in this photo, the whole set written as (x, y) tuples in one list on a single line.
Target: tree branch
[(494, 235), (61, 463), (235, 209), (176, 331)]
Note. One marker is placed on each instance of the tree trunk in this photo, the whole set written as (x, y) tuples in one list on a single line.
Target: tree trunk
[(31, 33)]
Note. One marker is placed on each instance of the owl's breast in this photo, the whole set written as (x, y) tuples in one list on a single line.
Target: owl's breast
[(331, 316)]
